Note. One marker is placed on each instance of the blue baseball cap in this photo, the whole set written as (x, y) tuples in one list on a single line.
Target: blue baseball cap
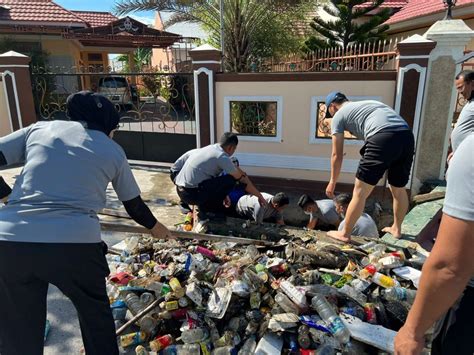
[(333, 96)]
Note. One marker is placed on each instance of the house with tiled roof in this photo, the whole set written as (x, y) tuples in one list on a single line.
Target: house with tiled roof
[(416, 17), (75, 38)]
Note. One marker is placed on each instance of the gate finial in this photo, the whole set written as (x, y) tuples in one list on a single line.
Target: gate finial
[(449, 4)]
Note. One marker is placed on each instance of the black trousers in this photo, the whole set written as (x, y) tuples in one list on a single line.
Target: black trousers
[(457, 332), (78, 270), (210, 194)]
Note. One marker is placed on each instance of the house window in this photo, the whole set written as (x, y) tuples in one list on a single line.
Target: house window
[(320, 127), (256, 118), (323, 128)]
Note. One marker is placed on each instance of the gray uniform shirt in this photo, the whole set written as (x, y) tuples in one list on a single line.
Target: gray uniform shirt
[(203, 164), (459, 200), (179, 163), (248, 207), (63, 182), (364, 227), (365, 118), (327, 212), (464, 126)]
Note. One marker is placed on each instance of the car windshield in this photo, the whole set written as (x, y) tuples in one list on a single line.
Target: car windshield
[(113, 83)]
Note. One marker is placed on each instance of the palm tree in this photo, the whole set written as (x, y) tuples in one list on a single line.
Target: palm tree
[(253, 29), (141, 58)]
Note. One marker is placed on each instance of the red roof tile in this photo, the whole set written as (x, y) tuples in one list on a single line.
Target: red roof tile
[(36, 11), (418, 8), (396, 4), (96, 18)]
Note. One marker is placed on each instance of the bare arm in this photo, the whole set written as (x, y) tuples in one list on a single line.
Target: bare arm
[(336, 162), (445, 275), (313, 221)]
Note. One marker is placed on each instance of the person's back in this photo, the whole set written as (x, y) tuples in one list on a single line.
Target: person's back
[(365, 118), (327, 212), (65, 176), (364, 227), (249, 207), (204, 164)]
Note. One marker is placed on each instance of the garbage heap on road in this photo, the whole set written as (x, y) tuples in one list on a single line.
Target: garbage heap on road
[(295, 297)]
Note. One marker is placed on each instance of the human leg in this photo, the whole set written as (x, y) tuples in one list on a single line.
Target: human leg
[(214, 191), (398, 177), (79, 272), (400, 209), (361, 191), (22, 300)]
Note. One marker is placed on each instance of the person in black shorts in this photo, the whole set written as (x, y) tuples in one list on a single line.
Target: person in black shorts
[(389, 146)]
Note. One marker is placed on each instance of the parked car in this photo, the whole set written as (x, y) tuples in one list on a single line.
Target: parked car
[(118, 90)]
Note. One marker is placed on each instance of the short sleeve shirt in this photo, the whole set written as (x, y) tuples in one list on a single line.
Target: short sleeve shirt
[(326, 212), (459, 200), (248, 207), (62, 186), (364, 227), (464, 126), (204, 164), (179, 163), (365, 118)]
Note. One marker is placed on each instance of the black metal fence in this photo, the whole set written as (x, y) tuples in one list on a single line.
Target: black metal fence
[(150, 101)]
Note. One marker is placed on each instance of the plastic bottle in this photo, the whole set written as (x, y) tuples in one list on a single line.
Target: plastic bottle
[(223, 350), (131, 244), (249, 346), (159, 288), (370, 315), (269, 344), (327, 313), (147, 298), (303, 337), (195, 335), (188, 222), (182, 349), (368, 246), (294, 294), (161, 342), (112, 291), (384, 280), (367, 271), (354, 294), (132, 339), (391, 262), (141, 350), (176, 287), (133, 303), (400, 294), (286, 304)]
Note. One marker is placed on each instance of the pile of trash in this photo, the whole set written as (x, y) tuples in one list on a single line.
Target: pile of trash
[(313, 297)]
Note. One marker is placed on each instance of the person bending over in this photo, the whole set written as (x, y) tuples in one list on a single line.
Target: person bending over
[(248, 206)]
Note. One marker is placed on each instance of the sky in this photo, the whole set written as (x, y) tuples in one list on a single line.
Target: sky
[(147, 17)]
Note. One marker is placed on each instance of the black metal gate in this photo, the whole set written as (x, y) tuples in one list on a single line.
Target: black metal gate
[(156, 107)]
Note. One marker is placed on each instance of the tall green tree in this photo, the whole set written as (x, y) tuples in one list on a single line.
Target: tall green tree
[(352, 25), (253, 29)]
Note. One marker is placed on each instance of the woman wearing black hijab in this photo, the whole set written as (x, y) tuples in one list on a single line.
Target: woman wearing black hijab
[(49, 230)]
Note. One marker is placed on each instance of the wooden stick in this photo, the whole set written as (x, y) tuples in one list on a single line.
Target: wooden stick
[(139, 315), (432, 196), (129, 228)]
